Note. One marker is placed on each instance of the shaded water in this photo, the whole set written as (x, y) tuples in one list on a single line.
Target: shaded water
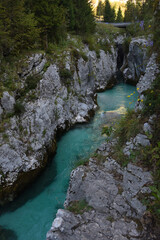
[(30, 216)]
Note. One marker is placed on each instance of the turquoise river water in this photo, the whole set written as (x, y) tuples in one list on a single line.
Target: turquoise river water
[(30, 216)]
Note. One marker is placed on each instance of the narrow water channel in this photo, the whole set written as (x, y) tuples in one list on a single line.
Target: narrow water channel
[(30, 216)]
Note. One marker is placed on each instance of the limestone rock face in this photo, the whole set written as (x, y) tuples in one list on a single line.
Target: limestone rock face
[(1, 112), (54, 105), (137, 60), (113, 193), (7, 102), (146, 80), (134, 144)]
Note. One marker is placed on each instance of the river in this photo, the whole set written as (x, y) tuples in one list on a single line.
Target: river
[(30, 216)]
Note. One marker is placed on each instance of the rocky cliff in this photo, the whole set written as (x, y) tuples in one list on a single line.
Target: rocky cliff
[(104, 199), (53, 94), (136, 60)]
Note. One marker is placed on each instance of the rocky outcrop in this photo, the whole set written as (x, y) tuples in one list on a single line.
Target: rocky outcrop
[(145, 82), (7, 102), (63, 95), (113, 193), (136, 60)]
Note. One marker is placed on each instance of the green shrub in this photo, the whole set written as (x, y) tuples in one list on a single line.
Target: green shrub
[(154, 207), (19, 108), (128, 126), (152, 100), (90, 41), (107, 130), (126, 44), (84, 56), (31, 82), (65, 75), (46, 66), (76, 54), (79, 207)]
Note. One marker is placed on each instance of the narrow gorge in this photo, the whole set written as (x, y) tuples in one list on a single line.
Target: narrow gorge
[(58, 92)]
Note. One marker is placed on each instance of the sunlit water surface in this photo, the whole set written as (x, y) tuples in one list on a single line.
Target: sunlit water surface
[(30, 216)]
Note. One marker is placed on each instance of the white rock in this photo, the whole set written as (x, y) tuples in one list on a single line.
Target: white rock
[(57, 223), (7, 102)]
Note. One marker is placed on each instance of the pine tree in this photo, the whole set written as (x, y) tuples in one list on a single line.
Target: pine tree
[(84, 18), (100, 9), (108, 15), (156, 36), (113, 15), (119, 16), (129, 15), (51, 18), (70, 13), (18, 28)]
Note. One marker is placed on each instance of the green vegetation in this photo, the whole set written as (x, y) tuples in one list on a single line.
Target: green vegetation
[(81, 162), (107, 130), (79, 207), (109, 12), (65, 75), (138, 10), (100, 9), (19, 108), (32, 24), (129, 126), (152, 100), (149, 157), (119, 17), (156, 30)]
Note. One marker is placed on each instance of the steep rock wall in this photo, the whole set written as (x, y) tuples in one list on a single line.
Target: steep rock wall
[(113, 193), (136, 60), (56, 103)]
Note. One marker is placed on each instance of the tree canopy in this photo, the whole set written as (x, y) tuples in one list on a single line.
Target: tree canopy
[(100, 9), (119, 17), (109, 12), (25, 24)]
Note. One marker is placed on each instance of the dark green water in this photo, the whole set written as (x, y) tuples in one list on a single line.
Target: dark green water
[(30, 216)]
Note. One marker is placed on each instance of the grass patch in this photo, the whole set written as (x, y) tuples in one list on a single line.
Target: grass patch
[(31, 82), (104, 29), (152, 100), (81, 162), (99, 158), (128, 126), (79, 207)]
